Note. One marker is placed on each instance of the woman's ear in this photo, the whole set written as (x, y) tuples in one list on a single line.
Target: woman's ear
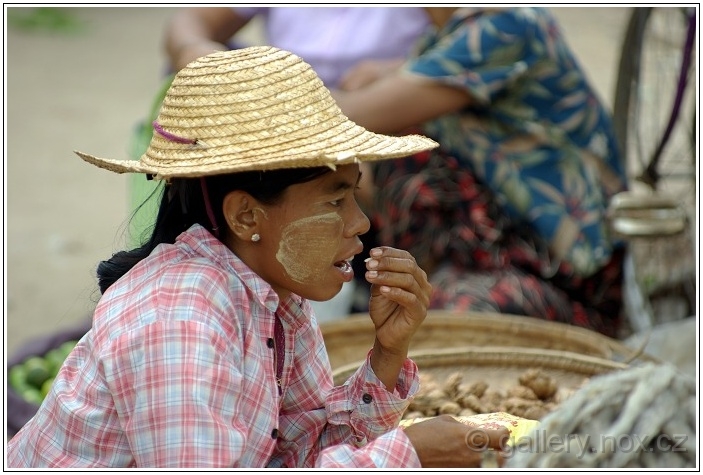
[(238, 209)]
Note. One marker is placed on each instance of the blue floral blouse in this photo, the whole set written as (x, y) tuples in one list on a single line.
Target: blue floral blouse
[(536, 133)]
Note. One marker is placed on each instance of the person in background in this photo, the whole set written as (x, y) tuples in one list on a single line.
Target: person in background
[(331, 39), (204, 351), (508, 215)]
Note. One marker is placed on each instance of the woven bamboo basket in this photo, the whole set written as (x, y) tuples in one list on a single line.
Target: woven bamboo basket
[(349, 340), (500, 367)]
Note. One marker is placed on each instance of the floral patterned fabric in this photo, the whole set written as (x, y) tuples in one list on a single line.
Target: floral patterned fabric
[(481, 259), (509, 214), (536, 134)]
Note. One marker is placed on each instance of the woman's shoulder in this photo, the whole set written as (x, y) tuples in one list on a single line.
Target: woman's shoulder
[(192, 289), (175, 277)]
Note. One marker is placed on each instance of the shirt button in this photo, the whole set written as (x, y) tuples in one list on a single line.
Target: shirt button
[(274, 434), (367, 398), (270, 343)]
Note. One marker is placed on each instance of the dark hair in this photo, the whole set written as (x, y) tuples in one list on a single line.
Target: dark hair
[(183, 205)]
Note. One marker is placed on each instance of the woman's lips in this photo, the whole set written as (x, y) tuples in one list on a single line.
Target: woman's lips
[(346, 269)]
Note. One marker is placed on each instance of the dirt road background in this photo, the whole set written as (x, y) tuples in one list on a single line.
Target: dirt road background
[(84, 84)]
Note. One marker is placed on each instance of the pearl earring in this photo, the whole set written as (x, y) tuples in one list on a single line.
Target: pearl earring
[(255, 237)]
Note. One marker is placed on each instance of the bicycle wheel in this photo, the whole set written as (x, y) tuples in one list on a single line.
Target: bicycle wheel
[(663, 268), (652, 54)]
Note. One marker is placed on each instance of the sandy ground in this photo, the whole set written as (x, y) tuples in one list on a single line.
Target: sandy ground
[(86, 91)]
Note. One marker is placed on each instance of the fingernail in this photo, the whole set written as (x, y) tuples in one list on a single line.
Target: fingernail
[(372, 274), (372, 264), (375, 252)]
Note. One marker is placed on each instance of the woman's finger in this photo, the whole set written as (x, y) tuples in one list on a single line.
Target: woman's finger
[(395, 268)]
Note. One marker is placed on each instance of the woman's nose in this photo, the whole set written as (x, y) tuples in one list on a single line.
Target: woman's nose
[(358, 224)]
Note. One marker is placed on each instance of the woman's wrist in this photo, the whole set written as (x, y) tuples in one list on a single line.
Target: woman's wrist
[(387, 364)]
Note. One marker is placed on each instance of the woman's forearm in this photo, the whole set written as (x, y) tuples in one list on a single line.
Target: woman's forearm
[(398, 101)]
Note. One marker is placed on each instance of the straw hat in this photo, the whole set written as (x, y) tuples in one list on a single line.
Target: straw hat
[(258, 108)]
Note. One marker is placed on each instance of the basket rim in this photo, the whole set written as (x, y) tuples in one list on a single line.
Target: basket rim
[(545, 329), (508, 356)]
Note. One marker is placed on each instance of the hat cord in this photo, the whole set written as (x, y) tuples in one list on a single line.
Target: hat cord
[(170, 136), (208, 208), (203, 185)]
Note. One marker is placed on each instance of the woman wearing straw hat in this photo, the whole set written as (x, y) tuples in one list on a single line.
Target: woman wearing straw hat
[(203, 350), (330, 39)]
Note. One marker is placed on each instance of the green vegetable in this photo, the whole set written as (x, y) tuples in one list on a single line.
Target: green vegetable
[(32, 395), (46, 387), (37, 371), (67, 347), (32, 379), (18, 378)]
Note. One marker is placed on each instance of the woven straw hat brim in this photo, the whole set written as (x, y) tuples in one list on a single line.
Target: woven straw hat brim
[(256, 108), (373, 147)]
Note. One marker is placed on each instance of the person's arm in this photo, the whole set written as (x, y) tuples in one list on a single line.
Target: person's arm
[(400, 296), (368, 71), (398, 101), (355, 425), (195, 32)]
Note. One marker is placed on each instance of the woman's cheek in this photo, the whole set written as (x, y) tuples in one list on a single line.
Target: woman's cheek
[(309, 247)]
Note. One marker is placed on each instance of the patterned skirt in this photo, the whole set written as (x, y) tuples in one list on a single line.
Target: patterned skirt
[(480, 259)]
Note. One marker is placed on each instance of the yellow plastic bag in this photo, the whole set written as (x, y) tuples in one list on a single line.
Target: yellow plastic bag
[(518, 426)]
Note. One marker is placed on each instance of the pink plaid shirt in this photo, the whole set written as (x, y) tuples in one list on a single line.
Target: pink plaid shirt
[(178, 371)]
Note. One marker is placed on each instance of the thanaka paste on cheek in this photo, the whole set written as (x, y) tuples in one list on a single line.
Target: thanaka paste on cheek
[(309, 246)]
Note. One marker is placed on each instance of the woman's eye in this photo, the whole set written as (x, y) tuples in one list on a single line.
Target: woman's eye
[(337, 203)]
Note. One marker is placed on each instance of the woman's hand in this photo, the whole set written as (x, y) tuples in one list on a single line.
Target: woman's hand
[(442, 442), (400, 295)]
